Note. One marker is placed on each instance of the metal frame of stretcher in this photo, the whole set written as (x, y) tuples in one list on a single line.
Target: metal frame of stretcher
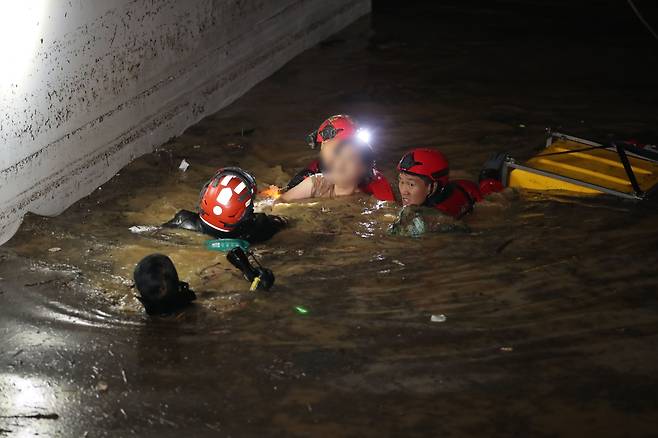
[(623, 151)]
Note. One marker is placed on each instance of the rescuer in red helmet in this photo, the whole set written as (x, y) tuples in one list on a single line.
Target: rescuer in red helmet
[(226, 209), (331, 133), (424, 180)]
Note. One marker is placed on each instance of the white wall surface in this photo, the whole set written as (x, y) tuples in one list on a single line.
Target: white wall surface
[(86, 86)]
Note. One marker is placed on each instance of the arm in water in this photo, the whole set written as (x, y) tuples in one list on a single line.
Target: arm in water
[(259, 227), (414, 221), (303, 190), (303, 174)]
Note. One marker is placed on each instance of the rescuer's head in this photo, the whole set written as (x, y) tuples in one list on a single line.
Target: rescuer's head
[(160, 290), (329, 135), (227, 199), (422, 173)]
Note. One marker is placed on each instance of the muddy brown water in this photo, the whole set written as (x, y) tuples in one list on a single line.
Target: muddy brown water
[(550, 302)]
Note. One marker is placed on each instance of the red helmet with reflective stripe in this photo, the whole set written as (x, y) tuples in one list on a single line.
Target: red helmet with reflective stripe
[(339, 126), (227, 199), (426, 163)]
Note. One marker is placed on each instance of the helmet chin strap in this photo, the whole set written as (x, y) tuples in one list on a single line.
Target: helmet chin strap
[(435, 189), (438, 188)]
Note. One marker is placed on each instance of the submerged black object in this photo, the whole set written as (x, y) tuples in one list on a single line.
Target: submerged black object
[(493, 167), (238, 258), (160, 290)]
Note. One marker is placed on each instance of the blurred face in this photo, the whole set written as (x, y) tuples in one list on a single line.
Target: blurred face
[(413, 189), (328, 151), (346, 168)]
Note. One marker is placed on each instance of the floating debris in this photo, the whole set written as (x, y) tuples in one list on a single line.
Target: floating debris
[(506, 349), (504, 245), (102, 386), (183, 165), (54, 249), (438, 318), (138, 229), (245, 132), (34, 416), (301, 310)]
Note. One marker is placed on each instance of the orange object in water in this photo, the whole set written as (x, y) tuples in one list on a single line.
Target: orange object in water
[(272, 192)]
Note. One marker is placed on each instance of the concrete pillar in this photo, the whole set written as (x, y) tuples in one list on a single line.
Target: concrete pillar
[(86, 86)]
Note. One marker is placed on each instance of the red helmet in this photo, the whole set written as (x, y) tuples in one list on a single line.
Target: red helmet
[(339, 126), (227, 199), (426, 163)]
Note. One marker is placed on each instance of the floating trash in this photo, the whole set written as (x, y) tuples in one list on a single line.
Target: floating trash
[(183, 165), (54, 249), (301, 310), (138, 229), (438, 318)]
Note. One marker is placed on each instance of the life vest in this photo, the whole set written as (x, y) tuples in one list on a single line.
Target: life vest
[(489, 186), (454, 199), (471, 188), (314, 166), (459, 196), (378, 187)]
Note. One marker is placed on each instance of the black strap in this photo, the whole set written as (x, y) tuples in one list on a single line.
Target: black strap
[(628, 168), (471, 201), (297, 179), (572, 151)]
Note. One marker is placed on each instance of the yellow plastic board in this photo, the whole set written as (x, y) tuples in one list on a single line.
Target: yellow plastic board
[(601, 167)]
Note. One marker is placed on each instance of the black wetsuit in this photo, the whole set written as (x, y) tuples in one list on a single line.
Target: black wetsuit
[(258, 228)]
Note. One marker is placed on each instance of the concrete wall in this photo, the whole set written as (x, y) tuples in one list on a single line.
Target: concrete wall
[(89, 85)]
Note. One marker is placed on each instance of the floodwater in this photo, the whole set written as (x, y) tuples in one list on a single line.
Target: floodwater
[(550, 302)]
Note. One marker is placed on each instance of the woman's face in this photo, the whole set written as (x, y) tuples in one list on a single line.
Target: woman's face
[(346, 167), (413, 190)]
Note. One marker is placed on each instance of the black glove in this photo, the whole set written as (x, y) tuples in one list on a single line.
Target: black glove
[(185, 219), (238, 258)]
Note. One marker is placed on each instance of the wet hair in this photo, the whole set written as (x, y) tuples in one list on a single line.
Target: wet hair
[(160, 290), (366, 154)]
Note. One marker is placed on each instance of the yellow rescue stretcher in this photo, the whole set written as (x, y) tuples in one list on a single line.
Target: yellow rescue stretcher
[(585, 167)]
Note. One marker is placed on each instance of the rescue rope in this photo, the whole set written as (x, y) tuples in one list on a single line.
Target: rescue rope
[(640, 17)]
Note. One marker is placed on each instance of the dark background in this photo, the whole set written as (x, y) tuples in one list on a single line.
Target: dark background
[(582, 20)]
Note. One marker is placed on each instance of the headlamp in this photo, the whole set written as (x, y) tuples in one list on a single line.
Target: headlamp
[(364, 135)]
